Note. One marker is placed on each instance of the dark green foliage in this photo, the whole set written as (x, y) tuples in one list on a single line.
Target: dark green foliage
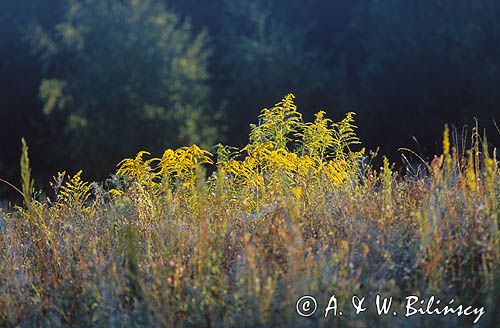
[(263, 55), (93, 81), (119, 74), (20, 73), (425, 63)]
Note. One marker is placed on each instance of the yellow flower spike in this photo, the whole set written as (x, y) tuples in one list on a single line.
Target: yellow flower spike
[(446, 140), (139, 170), (183, 162), (115, 193), (446, 149), (337, 171), (470, 173), (297, 192), (277, 124), (317, 136)]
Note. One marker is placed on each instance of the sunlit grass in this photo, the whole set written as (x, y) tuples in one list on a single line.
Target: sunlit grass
[(297, 211)]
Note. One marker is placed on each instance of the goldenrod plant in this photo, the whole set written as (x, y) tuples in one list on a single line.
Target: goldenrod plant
[(234, 237)]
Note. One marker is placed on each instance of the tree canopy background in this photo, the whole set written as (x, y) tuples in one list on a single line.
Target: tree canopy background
[(89, 82)]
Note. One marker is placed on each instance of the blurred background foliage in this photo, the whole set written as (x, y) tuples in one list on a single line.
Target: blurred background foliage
[(90, 82)]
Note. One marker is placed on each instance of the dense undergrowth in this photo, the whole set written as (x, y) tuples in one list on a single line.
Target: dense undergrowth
[(295, 212)]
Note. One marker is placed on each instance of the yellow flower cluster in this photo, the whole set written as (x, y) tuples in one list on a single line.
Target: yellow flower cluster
[(282, 148)]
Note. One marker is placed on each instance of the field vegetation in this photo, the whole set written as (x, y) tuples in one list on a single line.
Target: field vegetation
[(233, 237)]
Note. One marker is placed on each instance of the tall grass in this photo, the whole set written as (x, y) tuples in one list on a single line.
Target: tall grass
[(296, 212)]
